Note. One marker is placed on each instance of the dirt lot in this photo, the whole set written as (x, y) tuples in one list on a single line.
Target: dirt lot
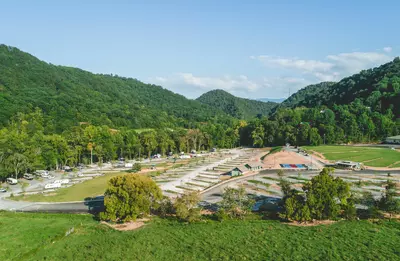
[(283, 157)]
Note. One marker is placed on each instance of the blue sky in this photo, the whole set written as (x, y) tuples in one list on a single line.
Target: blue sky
[(250, 48)]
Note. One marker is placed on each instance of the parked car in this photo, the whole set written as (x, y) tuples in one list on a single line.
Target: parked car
[(67, 169), (3, 190), (120, 164), (28, 176), (156, 156), (42, 173)]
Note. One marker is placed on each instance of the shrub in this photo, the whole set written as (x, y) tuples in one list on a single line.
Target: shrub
[(165, 207), (136, 167), (236, 203), (186, 207)]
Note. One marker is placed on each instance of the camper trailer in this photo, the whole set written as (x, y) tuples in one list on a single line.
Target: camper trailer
[(61, 181), (12, 181), (52, 185)]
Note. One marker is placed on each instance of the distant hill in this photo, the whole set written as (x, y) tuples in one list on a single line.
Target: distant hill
[(237, 107), (377, 88), (71, 95), (279, 100)]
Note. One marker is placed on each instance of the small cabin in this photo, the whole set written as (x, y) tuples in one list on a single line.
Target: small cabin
[(253, 167), (236, 172), (348, 165), (393, 140)]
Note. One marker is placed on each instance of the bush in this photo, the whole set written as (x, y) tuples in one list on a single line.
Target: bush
[(236, 203), (129, 197), (186, 207), (221, 215), (165, 207), (136, 167)]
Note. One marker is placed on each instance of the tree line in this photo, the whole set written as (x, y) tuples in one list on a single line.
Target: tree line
[(352, 123), (26, 145)]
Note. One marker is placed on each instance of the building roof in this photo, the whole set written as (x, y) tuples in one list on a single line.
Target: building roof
[(394, 137), (348, 163), (252, 165), (241, 169)]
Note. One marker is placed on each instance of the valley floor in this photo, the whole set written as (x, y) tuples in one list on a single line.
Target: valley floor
[(43, 237)]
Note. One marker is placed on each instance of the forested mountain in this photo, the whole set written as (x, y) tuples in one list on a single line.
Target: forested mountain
[(377, 88), (301, 97), (69, 95), (237, 107)]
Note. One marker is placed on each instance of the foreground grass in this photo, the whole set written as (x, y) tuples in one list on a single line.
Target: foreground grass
[(42, 237), (370, 156)]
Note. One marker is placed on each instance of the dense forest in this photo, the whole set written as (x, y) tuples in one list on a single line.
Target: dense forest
[(68, 96), (237, 107), (52, 116), (302, 96), (377, 88)]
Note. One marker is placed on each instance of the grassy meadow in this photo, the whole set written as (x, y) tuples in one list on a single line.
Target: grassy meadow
[(42, 237), (78, 192), (370, 156)]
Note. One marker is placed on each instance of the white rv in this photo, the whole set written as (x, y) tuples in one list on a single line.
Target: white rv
[(61, 181), (52, 185), (12, 181)]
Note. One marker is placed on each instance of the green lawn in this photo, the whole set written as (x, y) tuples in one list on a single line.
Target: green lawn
[(78, 192), (42, 237), (370, 156)]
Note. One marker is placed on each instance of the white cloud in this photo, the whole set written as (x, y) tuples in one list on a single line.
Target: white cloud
[(294, 63), (349, 63), (332, 68), (192, 85), (302, 73), (387, 49)]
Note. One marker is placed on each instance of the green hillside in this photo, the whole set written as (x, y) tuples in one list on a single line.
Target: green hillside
[(377, 88), (70, 95), (302, 96), (237, 107)]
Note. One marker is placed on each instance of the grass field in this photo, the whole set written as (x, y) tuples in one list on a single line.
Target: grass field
[(370, 156), (91, 188), (78, 192), (42, 237)]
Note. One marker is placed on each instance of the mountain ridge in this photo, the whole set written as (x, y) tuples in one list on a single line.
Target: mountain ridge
[(70, 95), (237, 107)]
